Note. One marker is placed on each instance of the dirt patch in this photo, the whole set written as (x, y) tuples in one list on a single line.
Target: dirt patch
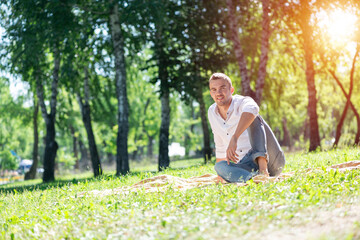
[(341, 222)]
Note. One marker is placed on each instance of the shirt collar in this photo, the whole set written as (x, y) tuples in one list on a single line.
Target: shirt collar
[(229, 111)]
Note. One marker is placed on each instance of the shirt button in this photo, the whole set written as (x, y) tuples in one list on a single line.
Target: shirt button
[(227, 134)]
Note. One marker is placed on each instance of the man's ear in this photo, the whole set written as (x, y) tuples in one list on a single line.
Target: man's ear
[(232, 89)]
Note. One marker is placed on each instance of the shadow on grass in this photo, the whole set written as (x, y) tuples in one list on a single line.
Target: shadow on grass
[(74, 181)]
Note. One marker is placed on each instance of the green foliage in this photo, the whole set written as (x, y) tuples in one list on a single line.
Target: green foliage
[(7, 160), (189, 38), (66, 159), (15, 129)]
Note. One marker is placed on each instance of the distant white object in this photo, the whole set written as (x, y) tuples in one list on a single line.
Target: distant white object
[(176, 150), (25, 165), (25, 162)]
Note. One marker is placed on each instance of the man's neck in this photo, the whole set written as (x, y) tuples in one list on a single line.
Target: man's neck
[(223, 109)]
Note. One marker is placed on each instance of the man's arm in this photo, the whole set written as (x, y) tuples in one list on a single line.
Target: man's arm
[(220, 159), (244, 122)]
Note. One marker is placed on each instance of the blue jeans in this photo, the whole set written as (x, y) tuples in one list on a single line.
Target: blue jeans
[(263, 143)]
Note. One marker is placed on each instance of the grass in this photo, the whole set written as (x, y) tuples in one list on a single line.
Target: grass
[(53, 211)]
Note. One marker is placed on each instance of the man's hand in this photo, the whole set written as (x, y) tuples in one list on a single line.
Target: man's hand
[(231, 151), (245, 121)]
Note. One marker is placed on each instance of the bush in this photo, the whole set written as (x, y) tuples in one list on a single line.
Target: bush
[(8, 161)]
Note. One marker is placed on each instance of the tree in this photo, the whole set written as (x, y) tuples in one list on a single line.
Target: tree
[(246, 9), (329, 57), (117, 39), (117, 14), (202, 41), (348, 102), (31, 174), (298, 16), (145, 108), (78, 63), (164, 29), (85, 111)]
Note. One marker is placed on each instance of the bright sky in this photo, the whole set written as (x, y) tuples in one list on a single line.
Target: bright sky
[(339, 25), (17, 87)]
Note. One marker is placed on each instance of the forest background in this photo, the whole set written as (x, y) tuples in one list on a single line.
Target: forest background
[(108, 82)]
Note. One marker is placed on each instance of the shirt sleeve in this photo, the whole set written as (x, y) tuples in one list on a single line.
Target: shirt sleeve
[(220, 148), (250, 106)]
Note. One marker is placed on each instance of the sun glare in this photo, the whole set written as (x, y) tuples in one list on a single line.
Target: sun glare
[(338, 25)]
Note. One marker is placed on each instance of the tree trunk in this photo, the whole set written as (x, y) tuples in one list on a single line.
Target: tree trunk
[(340, 124), (31, 174), (150, 137), (265, 35), (94, 156), (286, 139), (239, 53), (205, 128), (75, 149), (310, 76), (348, 103), (150, 147), (86, 117), (163, 76), (84, 155), (51, 145), (187, 139), (164, 160), (122, 157), (50, 152), (238, 49)]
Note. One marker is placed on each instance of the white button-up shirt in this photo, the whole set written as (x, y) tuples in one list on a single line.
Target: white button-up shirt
[(223, 130)]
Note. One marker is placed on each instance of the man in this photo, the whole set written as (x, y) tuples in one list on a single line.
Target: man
[(241, 154)]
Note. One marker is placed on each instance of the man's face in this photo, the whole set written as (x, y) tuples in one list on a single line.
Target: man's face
[(221, 91)]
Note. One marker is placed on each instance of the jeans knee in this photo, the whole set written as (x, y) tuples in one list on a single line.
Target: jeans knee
[(220, 167), (277, 164)]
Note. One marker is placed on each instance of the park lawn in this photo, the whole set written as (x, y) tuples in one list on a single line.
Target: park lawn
[(321, 205)]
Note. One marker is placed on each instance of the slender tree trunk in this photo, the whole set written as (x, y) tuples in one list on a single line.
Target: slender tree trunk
[(150, 147), (205, 127), (122, 157), (187, 139), (286, 139), (164, 160), (149, 137), (265, 35), (50, 152), (340, 124), (75, 149), (163, 75), (348, 103), (51, 146), (84, 155), (310, 76), (238, 49), (31, 174), (86, 117), (239, 53)]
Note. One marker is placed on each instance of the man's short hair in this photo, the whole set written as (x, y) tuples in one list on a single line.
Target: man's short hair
[(217, 76)]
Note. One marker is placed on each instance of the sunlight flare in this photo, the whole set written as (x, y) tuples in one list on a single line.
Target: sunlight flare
[(338, 25)]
